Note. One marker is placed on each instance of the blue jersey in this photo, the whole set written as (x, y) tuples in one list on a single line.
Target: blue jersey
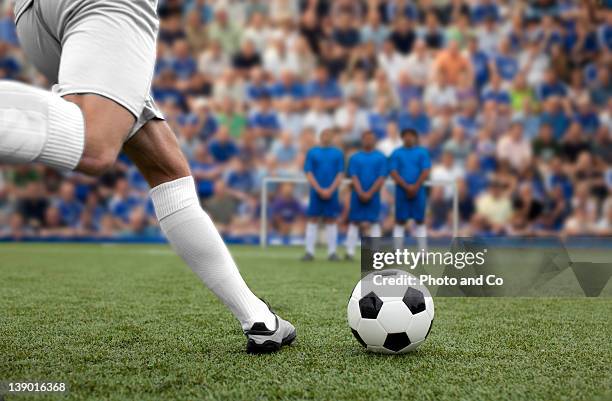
[(410, 162), (367, 167), (325, 163)]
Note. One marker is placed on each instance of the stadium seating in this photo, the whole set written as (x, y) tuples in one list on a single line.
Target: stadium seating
[(512, 98)]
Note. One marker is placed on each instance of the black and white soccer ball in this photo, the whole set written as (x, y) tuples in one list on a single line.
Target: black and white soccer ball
[(390, 320)]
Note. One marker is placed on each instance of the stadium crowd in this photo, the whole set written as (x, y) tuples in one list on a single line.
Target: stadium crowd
[(512, 99)]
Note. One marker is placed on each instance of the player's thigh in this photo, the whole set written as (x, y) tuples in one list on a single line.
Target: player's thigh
[(106, 122), (156, 153), (107, 61), (109, 49)]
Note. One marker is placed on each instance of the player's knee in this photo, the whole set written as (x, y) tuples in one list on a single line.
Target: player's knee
[(97, 163), (107, 125)]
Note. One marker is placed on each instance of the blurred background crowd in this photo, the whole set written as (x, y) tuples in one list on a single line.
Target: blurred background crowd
[(512, 99)]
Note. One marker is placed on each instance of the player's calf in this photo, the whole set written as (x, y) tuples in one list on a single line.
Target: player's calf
[(193, 235)]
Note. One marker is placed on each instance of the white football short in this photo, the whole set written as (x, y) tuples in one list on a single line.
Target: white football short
[(104, 47)]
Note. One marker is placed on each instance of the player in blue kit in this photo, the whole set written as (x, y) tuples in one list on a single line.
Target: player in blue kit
[(409, 167), (324, 168), (367, 170)]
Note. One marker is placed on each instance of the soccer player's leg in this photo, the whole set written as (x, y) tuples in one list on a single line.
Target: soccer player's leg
[(375, 230), (370, 225), (331, 211), (418, 207), (352, 234), (402, 214), (352, 237), (193, 236), (83, 132), (313, 213)]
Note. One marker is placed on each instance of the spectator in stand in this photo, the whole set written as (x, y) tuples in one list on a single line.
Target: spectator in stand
[(476, 180), (505, 63), (122, 202), (374, 31), (550, 86), (345, 33), (493, 209), (441, 95), (452, 64), (205, 172), (53, 225), (225, 32), (458, 145), (496, 91), (419, 63), (285, 210), (514, 148), (265, 119), (415, 118), (246, 58), (402, 35), (138, 225), (68, 205), (447, 171), (392, 140), (573, 143), (188, 130), (325, 88), (527, 211), (379, 117), (545, 146), (222, 147)]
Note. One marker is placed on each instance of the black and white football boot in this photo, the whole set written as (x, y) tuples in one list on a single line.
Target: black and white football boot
[(262, 340)]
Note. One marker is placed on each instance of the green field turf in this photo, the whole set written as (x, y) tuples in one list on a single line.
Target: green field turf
[(133, 322)]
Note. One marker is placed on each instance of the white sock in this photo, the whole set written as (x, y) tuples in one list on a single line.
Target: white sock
[(331, 231), (420, 232), (352, 235), (194, 238), (311, 237), (39, 126), (375, 231), (398, 236), (398, 231)]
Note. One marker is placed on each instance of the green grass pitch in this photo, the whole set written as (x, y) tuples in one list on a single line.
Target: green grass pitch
[(133, 322)]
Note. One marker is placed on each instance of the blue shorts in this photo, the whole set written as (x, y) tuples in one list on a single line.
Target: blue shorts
[(364, 211), (410, 208), (319, 207)]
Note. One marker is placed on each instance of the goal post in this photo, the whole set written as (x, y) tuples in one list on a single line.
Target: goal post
[(268, 181)]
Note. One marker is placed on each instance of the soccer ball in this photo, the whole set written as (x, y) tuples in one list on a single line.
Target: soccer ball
[(390, 318)]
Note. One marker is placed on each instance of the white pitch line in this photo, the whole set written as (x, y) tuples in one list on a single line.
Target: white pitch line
[(113, 249)]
